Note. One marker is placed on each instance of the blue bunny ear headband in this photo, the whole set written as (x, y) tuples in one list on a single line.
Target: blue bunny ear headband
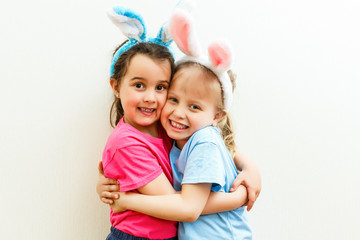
[(133, 27)]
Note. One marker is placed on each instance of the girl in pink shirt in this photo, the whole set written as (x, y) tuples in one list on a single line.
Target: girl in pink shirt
[(136, 153)]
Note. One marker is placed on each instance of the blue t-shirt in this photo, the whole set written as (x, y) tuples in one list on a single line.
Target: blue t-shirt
[(205, 159)]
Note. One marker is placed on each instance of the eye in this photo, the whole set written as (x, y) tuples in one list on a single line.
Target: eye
[(138, 85), (161, 87), (172, 99), (194, 107)]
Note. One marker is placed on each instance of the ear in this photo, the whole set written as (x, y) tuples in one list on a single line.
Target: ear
[(218, 116), (220, 55), (181, 30), (115, 86), (130, 23)]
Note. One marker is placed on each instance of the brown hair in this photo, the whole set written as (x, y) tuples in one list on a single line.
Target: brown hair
[(152, 50), (225, 125)]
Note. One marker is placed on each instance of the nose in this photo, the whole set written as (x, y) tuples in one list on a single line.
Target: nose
[(178, 112), (149, 96)]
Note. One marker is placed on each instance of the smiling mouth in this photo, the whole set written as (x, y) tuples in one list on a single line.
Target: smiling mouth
[(178, 125), (147, 110)]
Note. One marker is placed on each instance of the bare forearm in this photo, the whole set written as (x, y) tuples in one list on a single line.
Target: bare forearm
[(243, 162), (185, 207), (169, 207), (221, 201)]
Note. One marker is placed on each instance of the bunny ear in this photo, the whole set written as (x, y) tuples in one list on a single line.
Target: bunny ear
[(130, 23), (181, 30), (164, 34), (220, 55)]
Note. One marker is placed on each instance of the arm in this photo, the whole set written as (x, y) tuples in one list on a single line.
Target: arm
[(135, 171), (242, 162), (249, 177), (185, 206), (158, 186), (217, 201), (106, 188), (221, 201), (239, 195)]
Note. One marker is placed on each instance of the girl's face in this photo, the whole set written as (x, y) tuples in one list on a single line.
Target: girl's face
[(143, 92), (191, 104)]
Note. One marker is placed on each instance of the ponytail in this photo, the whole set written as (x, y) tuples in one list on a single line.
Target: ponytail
[(226, 130), (225, 125)]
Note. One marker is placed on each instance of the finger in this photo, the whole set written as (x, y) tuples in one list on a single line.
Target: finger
[(252, 198), (100, 168), (257, 194), (112, 188), (249, 206), (110, 195), (251, 194), (115, 188), (110, 181), (236, 183), (107, 201)]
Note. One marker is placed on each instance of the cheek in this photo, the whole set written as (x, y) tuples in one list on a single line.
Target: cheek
[(165, 112), (162, 100), (163, 118), (126, 101)]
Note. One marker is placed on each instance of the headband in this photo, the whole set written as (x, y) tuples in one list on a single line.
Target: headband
[(218, 59), (133, 27)]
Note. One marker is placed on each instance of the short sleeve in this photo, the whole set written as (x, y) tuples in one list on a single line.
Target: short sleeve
[(133, 167), (204, 165)]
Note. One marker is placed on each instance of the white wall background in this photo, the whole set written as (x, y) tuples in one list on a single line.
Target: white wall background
[(296, 111)]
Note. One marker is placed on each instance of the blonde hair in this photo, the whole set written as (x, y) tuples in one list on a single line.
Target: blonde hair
[(224, 125)]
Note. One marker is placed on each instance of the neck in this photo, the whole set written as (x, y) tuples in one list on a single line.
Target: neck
[(151, 130), (180, 144)]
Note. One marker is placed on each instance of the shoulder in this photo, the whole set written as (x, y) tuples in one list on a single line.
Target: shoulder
[(126, 147), (123, 137), (207, 134), (204, 141)]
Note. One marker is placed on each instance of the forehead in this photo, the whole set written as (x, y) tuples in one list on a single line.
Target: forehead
[(143, 64), (192, 80)]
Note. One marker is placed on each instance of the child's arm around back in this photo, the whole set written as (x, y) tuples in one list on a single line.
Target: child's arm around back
[(248, 177), (185, 207)]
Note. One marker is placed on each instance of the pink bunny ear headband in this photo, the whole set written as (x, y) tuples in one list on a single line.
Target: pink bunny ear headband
[(219, 53)]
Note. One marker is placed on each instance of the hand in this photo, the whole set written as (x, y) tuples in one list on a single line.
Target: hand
[(106, 188), (250, 178), (119, 204)]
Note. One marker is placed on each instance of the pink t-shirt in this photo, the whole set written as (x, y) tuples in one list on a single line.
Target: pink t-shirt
[(135, 159)]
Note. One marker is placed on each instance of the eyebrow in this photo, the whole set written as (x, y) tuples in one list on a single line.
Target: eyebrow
[(141, 78), (137, 78), (165, 81)]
